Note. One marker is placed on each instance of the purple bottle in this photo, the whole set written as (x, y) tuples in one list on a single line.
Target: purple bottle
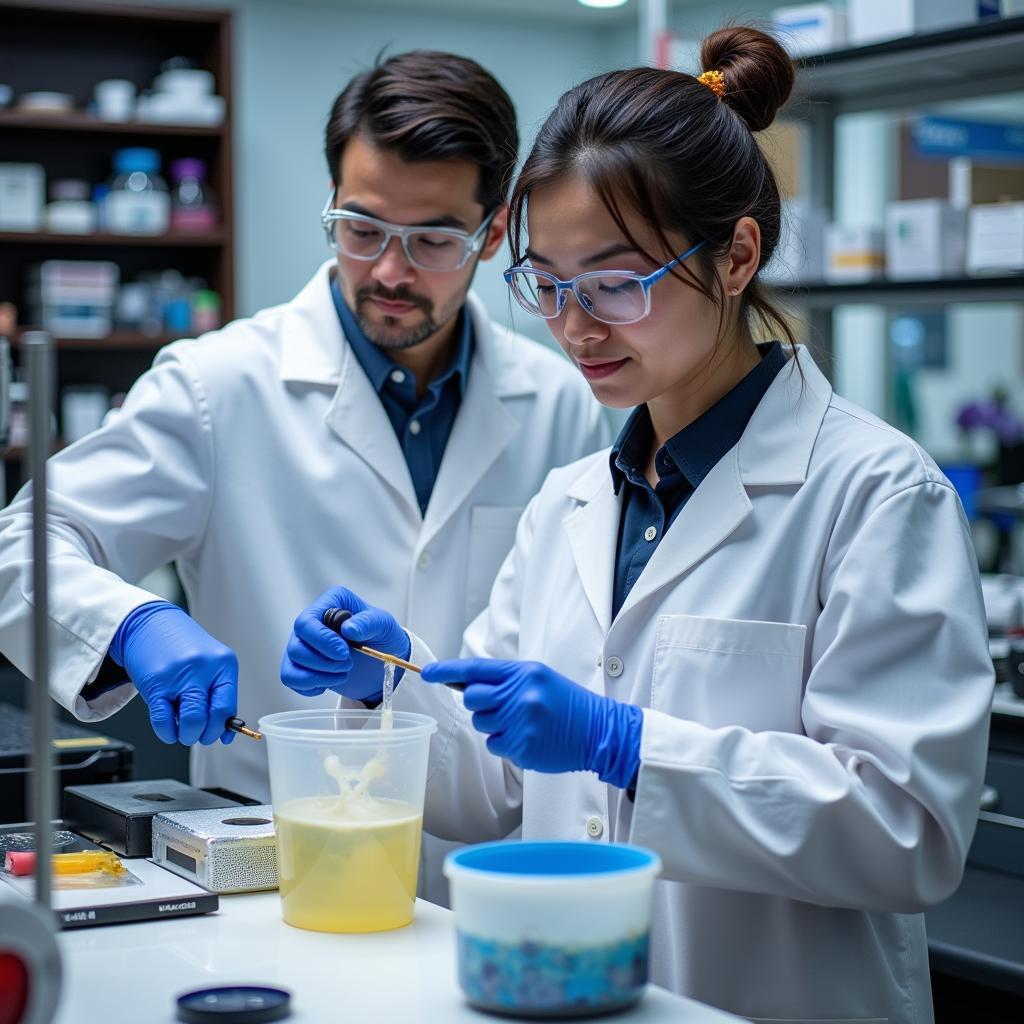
[(193, 207)]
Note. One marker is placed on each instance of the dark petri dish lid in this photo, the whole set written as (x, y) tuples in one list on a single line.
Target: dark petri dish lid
[(234, 1004)]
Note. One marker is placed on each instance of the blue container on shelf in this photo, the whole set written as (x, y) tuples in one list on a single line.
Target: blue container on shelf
[(552, 929)]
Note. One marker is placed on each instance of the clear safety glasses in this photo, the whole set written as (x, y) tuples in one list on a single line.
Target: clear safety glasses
[(611, 296), (366, 238)]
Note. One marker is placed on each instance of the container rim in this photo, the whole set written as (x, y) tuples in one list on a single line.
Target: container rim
[(289, 725), (635, 862)]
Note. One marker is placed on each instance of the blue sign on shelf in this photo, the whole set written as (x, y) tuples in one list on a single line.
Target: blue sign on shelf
[(943, 137)]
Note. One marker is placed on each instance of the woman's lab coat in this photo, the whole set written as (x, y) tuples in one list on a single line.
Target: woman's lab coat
[(808, 644), (260, 459)]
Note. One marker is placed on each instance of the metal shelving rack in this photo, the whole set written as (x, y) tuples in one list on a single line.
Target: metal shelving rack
[(900, 74)]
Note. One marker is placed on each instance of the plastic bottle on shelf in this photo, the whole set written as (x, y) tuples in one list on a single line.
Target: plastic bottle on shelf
[(192, 203), (138, 202), (205, 311)]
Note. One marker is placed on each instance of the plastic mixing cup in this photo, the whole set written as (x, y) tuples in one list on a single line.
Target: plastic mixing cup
[(348, 813)]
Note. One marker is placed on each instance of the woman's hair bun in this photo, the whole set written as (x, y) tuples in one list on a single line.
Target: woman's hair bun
[(758, 72)]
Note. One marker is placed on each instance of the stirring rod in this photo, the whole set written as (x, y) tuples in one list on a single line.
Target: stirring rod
[(333, 619), (237, 725)]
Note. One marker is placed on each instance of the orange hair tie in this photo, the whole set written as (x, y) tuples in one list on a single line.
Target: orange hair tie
[(714, 80)]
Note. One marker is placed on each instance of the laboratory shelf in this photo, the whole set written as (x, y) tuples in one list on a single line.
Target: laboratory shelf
[(194, 240), (80, 121), (969, 60), (117, 340), (944, 292)]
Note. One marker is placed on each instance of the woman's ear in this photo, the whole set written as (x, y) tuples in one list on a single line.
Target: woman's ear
[(744, 256)]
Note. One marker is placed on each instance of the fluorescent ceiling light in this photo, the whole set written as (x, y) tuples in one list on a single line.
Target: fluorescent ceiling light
[(601, 3)]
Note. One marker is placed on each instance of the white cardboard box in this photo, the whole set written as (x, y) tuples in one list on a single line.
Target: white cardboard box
[(995, 238), (810, 28), (871, 21), (22, 197), (854, 253), (925, 239)]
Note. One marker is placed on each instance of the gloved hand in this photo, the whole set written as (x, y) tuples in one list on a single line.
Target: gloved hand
[(542, 721), (188, 679), (318, 659)]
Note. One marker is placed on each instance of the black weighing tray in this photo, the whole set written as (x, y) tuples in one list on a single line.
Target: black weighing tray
[(120, 816)]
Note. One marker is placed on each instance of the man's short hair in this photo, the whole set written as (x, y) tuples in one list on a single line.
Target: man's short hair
[(425, 105)]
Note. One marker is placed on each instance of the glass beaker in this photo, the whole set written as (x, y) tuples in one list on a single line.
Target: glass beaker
[(348, 812)]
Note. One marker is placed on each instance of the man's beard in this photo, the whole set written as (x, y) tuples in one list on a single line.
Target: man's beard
[(389, 335)]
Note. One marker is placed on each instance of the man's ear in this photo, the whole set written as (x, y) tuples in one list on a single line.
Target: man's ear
[(495, 233)]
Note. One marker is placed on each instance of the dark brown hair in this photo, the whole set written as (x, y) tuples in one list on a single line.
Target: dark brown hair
[(663, 144), (425, 105)]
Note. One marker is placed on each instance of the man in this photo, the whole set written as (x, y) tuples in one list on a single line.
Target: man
[(377, 429)]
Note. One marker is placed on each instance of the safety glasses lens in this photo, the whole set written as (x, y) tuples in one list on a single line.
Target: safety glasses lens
[(613, 298)]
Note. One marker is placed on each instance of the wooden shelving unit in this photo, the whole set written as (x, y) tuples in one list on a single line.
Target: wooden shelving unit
[(68, 46)]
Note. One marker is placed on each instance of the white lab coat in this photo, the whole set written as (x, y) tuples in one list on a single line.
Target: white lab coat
[(808, 644), (260, 460)]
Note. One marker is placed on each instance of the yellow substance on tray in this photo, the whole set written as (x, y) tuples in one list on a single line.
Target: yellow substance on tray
[(348, 865)]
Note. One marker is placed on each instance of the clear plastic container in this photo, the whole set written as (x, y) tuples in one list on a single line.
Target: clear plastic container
[(138, 202), (552, 929), (348, 812), (193, 207)]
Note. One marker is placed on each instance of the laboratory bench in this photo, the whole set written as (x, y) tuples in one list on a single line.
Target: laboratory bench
[(132, 974), (976, 938)]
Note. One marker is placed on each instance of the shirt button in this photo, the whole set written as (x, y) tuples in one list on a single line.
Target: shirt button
[(595, 828), (424, 560), (613, 666), (600, 661), (650, 533), (414, 427), (398, 376)]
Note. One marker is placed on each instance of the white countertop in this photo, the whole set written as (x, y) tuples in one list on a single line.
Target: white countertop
[(131, 973)]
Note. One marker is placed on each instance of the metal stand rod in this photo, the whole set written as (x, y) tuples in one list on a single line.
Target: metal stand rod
[(39, 359)]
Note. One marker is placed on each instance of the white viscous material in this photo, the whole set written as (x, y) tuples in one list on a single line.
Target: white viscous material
[(387, 716)]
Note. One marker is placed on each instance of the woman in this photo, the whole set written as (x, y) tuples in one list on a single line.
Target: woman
[(750, 637)]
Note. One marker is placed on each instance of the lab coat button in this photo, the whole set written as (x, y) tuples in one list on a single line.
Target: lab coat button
[(414, 427), (423, 561), (398, 376), (613, 666), (595, 828), (650, 533)]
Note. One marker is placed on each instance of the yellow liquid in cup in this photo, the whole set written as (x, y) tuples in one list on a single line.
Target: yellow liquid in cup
[(348, 867)]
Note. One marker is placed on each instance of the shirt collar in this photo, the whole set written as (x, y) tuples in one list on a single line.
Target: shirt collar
[(378, 365), (700, 445)]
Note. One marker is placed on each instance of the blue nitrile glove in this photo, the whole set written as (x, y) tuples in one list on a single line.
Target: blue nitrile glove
[(318, 659), (542, 721), (188, 679)]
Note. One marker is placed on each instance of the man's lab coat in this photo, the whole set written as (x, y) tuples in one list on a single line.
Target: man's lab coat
[(260, 460)]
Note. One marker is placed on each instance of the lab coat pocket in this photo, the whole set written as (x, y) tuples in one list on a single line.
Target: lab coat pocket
[(722, 672), (492, 529)]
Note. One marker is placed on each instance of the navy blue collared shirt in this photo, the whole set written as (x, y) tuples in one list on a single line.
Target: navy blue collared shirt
[(422, 425), (681, 463)]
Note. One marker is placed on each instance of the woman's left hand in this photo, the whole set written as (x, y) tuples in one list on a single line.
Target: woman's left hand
[(542, 721)]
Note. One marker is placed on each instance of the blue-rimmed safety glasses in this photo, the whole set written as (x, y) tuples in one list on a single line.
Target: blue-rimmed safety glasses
[(611, 296), (365, 238)]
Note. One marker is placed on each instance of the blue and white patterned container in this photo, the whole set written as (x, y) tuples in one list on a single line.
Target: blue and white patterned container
[(556, 929)]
